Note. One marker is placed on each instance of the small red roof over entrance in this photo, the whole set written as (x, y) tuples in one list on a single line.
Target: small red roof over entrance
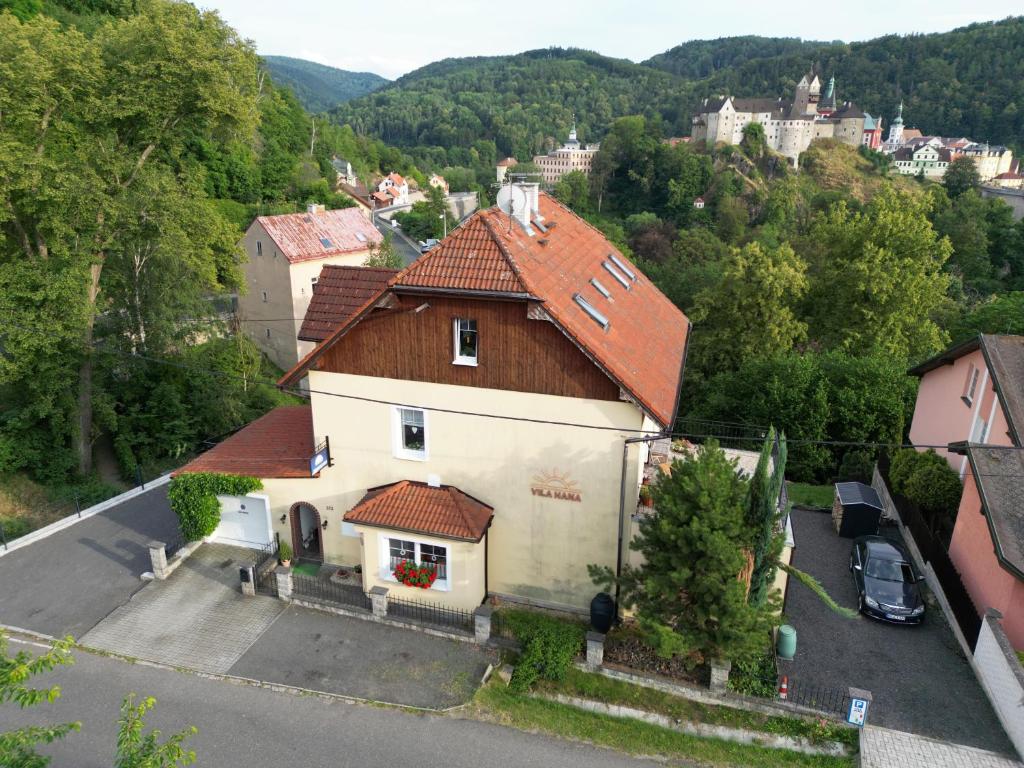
[(443, 511), (278, 444)]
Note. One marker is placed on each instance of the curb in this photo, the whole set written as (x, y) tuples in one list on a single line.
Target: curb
[(67, 522), (39, 637)]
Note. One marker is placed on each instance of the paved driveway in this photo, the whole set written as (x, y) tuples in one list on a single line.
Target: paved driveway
[(338, 654), (67, 582), (918, 677), (197, 618)]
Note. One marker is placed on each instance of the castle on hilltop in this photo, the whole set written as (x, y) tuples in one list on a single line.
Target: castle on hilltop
[(789, 126)]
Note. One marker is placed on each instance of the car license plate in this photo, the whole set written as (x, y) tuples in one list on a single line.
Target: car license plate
[(894, 617)]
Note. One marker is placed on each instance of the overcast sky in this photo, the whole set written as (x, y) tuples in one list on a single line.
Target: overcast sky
[(392, 37)]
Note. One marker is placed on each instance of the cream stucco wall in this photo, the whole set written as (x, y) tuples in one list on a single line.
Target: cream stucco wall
[(539, 547), (466, 569), (288, 288), (319, 493)]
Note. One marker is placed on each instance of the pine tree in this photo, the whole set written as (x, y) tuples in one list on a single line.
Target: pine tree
[(764, 515)]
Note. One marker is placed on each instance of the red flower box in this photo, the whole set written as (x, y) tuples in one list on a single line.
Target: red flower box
[(414, 575)]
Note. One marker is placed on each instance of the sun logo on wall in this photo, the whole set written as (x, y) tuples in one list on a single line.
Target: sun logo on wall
[(554, 484)]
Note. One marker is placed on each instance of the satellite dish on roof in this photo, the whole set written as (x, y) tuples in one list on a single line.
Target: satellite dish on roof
[(512, 200)]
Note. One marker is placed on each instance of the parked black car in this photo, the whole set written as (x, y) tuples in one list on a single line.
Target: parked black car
[(886, 581)]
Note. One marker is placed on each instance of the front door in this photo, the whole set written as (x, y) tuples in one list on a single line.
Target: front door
[(306, 531)]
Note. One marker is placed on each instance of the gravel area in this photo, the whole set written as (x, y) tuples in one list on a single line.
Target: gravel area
[(918, 676)]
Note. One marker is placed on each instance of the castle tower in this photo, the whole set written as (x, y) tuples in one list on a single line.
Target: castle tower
[(808, 93), (827, 104)]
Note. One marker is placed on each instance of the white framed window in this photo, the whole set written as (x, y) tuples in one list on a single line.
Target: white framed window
[(971, 385), (465, 341), (394, 550), (410, 434)]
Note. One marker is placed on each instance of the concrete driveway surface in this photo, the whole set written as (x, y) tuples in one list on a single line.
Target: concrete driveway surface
[(65, 583), (197, 618), (918, 677), (339, 654)]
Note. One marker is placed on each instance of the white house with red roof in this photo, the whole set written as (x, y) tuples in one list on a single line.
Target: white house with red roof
[(488, 412), (395, 188), (285, 255)]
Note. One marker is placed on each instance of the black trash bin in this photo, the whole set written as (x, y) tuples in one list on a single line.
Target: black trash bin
[(602, 612)]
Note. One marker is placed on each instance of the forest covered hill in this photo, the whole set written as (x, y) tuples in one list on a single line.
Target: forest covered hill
[(319, 87), (969, 81)]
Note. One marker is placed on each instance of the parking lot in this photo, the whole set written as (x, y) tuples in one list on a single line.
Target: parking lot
[(918, 677)]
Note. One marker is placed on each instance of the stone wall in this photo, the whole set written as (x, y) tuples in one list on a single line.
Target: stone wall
[(1000, 673)]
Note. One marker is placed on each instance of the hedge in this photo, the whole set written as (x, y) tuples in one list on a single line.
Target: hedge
[(193, 498), (549, 646)]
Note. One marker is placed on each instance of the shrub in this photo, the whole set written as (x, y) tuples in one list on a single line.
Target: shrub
[(548, 647), (193, 498), (755, 677)]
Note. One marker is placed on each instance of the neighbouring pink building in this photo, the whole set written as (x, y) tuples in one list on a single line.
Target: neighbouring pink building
[(971, 400)]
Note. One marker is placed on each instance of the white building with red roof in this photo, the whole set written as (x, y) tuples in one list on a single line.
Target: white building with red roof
[(489, 412), (285, 255)]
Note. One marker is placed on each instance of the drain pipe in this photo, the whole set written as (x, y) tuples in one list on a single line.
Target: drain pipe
[(622, 500)]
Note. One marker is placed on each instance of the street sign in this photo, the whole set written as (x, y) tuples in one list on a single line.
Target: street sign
[(859, 701)]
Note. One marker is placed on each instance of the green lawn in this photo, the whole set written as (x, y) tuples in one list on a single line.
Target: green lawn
[(600, 688), (495, 703), (808, 495)]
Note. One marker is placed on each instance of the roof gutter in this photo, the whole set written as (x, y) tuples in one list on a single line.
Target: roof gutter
[(466, 292)]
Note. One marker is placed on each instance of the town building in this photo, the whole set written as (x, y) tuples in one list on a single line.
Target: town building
[(438, 181), (393, 189), (487, 412), (872, 137), (922, 159), (571, 156), (789, 126), (285, 256), (343, 172), (971, 399)]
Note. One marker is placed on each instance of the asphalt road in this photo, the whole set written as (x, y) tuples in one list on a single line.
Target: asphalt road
[(67, 582), (252, 728), (408, 253)]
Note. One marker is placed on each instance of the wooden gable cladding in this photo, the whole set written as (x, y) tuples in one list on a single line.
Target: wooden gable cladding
[(514, 353)]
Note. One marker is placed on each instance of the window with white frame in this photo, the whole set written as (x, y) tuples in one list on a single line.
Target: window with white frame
[(410, 435), (398, 550), (465, 341), (971, 385)]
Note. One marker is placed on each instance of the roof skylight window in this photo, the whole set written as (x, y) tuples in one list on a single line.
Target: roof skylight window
[(325, 242), (360, 237), (600, 288), (621, 265), (587, 307), (616, 274)]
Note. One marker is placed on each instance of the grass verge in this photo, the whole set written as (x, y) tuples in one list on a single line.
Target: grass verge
[(605, 689), (497, 704), (807, 495), (26, 505)]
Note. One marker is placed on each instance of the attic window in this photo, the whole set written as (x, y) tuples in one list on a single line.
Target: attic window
[(587, 307), (325, 242), (621, 265), (616, 274), (600, 288)]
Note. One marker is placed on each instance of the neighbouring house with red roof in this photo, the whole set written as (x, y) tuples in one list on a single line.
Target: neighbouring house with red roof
[(971, 399), (484, 412), (285, 256), (395, 188)]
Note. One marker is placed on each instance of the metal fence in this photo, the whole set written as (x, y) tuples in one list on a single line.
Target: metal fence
[(430, 613), (264, 560), (935, 553), (831, 701), (327, 591)]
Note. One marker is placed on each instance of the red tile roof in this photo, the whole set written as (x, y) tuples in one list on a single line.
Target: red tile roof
[(419, 508), (338, 294), (278, 444), (643, 346), (300, 236)]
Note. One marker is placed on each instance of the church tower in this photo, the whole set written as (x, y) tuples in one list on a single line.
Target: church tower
[(896, 128)]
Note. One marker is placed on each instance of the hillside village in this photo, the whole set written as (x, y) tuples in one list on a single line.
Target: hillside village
[(688, 427)]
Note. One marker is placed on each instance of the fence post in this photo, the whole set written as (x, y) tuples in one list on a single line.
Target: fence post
[(283, 574), (78, 507), (3, 536), (482, 623), (719, 675), (595, 650), (379, 599), (158, 559)]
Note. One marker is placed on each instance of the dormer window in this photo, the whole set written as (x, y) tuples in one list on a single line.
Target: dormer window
[(465, 339)]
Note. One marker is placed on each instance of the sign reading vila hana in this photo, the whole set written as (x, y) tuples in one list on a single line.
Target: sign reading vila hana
[(555, 485)]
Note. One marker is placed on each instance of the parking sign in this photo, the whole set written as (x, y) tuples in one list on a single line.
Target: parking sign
[(858, 712)]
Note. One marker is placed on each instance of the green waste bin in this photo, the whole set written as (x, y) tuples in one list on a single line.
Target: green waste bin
[(785, 644)]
